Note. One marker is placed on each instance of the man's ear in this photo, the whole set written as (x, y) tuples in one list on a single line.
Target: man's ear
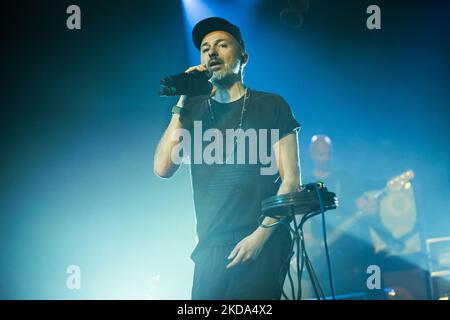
[(244, 59)]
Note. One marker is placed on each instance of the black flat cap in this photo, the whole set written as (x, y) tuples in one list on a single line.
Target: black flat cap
[(208, 25)]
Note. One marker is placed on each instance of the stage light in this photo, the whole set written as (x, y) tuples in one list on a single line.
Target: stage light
[(195, 10), (390, 292)]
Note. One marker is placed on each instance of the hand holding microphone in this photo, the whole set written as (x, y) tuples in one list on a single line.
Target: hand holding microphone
[(193, 82), (200, 67)]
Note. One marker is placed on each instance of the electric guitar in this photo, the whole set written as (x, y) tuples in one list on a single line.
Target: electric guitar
[(394, 184), (317, 245)]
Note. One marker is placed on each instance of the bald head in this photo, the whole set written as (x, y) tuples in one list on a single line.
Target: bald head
[(321, 150)]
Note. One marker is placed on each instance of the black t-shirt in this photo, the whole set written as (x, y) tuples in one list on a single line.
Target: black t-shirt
[(227, 197)]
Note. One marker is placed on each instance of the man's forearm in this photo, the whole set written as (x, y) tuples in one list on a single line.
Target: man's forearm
[(163, 165), (286, 186)]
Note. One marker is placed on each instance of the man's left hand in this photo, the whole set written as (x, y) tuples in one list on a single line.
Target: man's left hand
[(249, 248), (367, 203)]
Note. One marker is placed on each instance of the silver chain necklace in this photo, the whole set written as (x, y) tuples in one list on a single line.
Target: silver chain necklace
[(238, 126), (244, 109)]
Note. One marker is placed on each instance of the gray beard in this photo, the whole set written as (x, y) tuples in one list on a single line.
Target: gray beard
[(219, 75), (225, 78)]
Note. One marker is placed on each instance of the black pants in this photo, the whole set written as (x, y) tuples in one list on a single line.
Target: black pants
[(260, 279)]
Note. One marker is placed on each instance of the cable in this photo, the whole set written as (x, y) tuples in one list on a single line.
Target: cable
[(299, 270), (287, 264), (291, 282), (299, 242), (324, 229), (284, 208), (314, 281)]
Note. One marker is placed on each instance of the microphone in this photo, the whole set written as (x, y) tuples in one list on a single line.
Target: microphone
[(192, 83)]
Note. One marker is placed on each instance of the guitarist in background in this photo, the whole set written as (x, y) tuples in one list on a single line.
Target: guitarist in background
[(349, 242)]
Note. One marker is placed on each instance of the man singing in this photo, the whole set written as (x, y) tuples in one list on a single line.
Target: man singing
[(235, 257)]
